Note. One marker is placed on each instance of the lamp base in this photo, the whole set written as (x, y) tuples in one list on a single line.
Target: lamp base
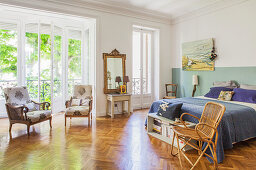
[(194, 90)]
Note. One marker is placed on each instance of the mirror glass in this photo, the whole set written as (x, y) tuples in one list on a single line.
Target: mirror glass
[(114, 69)]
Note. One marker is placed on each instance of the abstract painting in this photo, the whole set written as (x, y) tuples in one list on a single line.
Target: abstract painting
[(196, 55)]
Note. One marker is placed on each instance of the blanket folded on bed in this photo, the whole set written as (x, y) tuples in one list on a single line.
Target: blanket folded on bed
[(237, 124)]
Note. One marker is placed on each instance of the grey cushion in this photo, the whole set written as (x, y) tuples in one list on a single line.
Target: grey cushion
[(249, 87), (229, 84)]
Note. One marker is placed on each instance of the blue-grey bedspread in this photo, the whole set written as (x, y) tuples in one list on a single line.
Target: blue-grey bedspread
[(237, 124)]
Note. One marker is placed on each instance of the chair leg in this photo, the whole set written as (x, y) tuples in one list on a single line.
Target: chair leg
[(174, 135), (89, 119), (10, 128), (50, 121), (28, 127), (65, 120), (202, 153), (179, 154), (215, 157)]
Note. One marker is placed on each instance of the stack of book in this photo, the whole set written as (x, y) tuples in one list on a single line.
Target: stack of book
[(157, 126)]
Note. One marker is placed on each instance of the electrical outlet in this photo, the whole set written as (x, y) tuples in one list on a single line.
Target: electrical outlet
[(115, 105)]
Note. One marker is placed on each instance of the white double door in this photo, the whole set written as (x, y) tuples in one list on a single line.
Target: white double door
[(142, 68)]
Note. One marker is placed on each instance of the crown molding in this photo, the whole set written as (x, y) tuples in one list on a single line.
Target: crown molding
[(220, 5), (79, 5)]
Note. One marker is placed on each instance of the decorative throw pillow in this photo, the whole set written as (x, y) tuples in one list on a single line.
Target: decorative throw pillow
[(85, 102), (169, 110), (75, 102), (244, 95), (225, 95), (215, 92), (31, 106)]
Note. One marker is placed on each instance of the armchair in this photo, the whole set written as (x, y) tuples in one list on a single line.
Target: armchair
[(80, 104), (21, 109)]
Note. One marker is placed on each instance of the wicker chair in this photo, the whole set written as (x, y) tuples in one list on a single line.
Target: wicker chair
[(204, 131), (82, 95), (173, 92), (21, 109)]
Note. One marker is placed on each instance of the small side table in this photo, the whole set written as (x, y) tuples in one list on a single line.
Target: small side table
[(118, 98)]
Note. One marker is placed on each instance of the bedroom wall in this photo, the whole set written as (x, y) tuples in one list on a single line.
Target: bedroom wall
[(233, 29), (113, 31)]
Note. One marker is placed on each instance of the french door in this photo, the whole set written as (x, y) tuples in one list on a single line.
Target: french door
[(142, 68)]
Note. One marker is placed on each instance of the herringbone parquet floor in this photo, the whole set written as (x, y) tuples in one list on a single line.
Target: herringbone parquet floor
[(121, 143)]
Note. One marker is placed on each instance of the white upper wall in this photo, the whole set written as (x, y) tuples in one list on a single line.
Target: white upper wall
[(233, 29), (113, 31)]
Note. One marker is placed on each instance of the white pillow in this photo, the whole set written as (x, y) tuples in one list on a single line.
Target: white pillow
[(75, 102), (229, 84), (248, 87), (85, 102)]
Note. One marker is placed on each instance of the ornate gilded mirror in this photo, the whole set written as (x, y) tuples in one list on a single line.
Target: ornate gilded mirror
[(114, 70)]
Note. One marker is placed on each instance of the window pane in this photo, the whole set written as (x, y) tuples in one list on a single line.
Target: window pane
[(74, 61), (45, 63), (146, 63), (57, 65), (31, 50), (136, 63), (8, 58)]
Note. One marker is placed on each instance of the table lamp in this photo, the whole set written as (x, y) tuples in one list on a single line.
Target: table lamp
[(126, 80), (118, 80)]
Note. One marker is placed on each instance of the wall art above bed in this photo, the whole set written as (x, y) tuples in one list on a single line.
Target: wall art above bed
[(197, 55)]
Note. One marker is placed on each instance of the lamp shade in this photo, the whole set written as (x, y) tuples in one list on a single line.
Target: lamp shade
[(126, 79), (118, 79), (195, 80)]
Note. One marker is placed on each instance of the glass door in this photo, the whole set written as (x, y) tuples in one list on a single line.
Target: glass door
[(8, 60), (141, 81)]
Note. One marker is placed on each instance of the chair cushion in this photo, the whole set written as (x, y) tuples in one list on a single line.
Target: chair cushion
[(39, 115), (77, 111)]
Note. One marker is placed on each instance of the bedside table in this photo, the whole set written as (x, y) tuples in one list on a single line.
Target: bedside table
[(112, 98)]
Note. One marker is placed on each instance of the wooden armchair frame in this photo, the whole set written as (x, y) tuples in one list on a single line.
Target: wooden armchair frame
[(205, 131), (68, 104), (21, 111)]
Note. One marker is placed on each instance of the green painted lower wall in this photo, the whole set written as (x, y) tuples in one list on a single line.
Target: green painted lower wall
[(243, 75)]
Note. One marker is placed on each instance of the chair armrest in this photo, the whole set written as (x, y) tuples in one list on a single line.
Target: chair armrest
[(68, 103), (19, 109), (44, 104), (90, 103), (182, 121)]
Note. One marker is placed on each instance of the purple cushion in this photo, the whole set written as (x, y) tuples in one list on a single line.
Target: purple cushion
[(215, 91), (244, 95)]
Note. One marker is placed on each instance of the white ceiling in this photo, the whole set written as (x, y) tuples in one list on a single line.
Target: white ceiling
[(170, 8)]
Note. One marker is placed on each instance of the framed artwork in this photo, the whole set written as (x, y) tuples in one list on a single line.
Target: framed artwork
[(196, 55)]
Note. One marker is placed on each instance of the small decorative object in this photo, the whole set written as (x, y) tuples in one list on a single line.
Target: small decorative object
[(213, 54), (123, 89), (118, 80), (126, 80), (196, 55), (195, 83)]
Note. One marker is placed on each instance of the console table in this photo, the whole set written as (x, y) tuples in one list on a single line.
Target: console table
[(112, 98)]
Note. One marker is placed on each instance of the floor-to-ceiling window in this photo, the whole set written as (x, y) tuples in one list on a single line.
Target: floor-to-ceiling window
[(142, 68), (45, 53)]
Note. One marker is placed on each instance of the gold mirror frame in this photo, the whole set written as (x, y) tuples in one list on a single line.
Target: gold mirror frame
[(113, 54)]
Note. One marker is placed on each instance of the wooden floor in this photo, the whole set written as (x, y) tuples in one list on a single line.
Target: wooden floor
[(121, 143)]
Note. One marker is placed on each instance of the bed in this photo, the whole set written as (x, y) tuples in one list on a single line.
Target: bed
[(237, 124)]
